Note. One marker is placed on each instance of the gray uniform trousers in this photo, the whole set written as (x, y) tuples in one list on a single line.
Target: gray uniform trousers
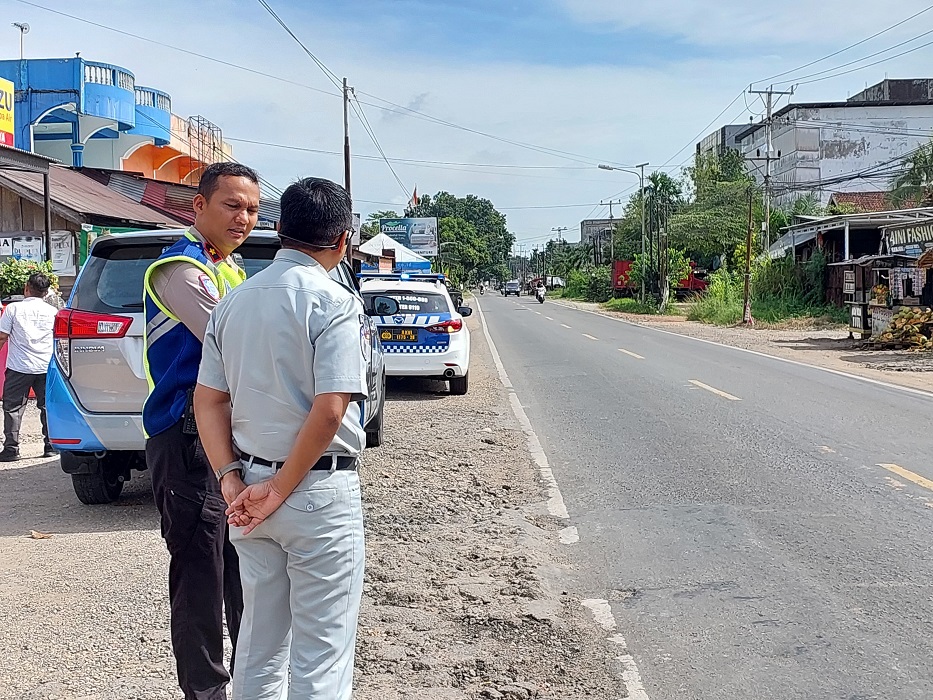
[(302, 574)]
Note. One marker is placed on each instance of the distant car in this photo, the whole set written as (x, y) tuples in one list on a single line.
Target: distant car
[(426, 337), (97, 382), (512, 287), (456, 296)]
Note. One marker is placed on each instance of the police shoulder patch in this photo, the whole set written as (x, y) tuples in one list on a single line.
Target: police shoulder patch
[(207, 284)]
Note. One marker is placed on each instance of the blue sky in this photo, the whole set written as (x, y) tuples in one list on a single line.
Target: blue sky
[(624, 81)]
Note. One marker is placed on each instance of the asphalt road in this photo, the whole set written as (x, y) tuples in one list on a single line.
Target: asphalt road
[(732, 509)]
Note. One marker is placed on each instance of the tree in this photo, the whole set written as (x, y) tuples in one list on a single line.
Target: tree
[(371, 228), (488, 222), (916, 184), (463, 250)]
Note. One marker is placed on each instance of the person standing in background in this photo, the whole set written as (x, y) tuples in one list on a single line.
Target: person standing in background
[(27, 327)]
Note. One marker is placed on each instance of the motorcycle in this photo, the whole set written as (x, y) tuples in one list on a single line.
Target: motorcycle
[(539, 294), (482, 290)]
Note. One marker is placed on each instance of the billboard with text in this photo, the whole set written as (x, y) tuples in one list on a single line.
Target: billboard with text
[(418, 235), (6, 113)]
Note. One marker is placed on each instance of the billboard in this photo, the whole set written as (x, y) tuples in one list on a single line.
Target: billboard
[(6, 113), (418, 235)]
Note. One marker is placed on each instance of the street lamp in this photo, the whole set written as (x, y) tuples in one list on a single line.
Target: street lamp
[(641, 185)]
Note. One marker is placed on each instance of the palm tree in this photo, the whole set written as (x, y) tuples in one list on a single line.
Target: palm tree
[(915, 185)]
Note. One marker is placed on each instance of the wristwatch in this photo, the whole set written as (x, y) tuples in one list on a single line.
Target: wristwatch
[(232, 467)]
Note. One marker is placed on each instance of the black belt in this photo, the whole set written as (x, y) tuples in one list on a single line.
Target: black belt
[(324, 463)]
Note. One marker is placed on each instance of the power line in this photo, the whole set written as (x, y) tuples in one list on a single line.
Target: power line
[(703, 131), (847, 48), (869, 65), (327, 71), (358, 110), (802, 79)]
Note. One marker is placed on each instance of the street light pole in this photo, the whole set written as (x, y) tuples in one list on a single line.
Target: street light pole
[(641, 186)]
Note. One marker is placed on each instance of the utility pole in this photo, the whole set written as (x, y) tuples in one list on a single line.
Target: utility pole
[(769, 150), (747, 313), (560, 230), (612, 238), (346, 153), (521, 264), (23, 31)]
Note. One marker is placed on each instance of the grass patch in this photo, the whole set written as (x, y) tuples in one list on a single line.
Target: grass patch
[(629, 305), (728, 312)]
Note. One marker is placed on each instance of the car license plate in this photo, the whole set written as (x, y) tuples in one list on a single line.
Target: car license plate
[(399, 335)]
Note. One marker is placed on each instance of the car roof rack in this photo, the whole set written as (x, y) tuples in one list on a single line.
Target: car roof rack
[(404, 276)]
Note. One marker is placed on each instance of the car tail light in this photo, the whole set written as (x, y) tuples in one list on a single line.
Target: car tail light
[(83, 325), (451, 326)]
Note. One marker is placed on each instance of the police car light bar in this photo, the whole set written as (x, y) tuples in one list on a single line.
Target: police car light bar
[(405, 276)]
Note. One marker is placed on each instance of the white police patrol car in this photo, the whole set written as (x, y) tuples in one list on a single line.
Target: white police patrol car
[(427, 336)]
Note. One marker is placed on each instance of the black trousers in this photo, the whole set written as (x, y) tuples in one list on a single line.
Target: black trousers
[(16, 386), (204, 574)]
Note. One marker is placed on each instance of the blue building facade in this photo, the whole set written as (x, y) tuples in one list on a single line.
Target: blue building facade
[(85, 113)]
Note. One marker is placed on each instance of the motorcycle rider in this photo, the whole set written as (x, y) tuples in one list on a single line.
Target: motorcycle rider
[(540, 290)]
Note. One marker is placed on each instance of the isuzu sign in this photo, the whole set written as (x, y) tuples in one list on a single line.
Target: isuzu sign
[(6, 113)]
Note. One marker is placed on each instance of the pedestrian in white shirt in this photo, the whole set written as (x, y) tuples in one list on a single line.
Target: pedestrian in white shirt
[(27, 326)]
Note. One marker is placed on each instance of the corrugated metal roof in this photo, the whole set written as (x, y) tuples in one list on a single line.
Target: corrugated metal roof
[(86, 196)]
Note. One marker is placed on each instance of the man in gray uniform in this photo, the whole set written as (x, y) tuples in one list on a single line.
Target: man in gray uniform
[(285, 418)]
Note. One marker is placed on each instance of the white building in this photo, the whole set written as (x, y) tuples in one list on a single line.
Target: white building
[(830, 147)]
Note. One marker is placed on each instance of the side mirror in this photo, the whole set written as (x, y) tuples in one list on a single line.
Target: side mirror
[(382, 306), (465, 311)]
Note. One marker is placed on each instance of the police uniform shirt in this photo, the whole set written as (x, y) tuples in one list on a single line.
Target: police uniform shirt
[(186, 291), (278, 340)]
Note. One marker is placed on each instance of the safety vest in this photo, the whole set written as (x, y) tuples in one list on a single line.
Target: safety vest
[(172, 352)]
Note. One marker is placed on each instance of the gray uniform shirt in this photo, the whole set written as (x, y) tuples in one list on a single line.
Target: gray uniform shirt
[(278, 340)]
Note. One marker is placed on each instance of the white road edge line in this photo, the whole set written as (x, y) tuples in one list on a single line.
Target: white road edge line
[(714, 390), (602, 613), (631, 354), (591, 337), (555, 501), (837, 372), (631, 677)]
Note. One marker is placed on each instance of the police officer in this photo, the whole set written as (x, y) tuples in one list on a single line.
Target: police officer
[(286, 419), (181, 289)]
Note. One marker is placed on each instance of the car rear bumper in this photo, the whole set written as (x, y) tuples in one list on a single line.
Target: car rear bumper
[(456, 360), (73, 429)]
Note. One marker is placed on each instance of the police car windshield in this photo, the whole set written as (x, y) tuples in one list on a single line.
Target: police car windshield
[(413, 302)]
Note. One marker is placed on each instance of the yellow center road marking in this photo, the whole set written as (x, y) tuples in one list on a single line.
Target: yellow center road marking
[(631, 354), (909, 475), (549, 318), (587, 335), (565, 325), (713, 390)]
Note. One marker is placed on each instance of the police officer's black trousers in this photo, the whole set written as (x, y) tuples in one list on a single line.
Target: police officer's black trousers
[(204, 576)]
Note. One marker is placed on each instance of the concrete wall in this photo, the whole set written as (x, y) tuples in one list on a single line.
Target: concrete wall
[(818, 144)]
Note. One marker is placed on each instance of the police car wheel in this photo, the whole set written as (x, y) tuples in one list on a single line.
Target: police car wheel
[(459, 385), (98, 488)]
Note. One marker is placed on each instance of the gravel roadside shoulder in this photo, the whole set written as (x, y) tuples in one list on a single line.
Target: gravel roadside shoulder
[(823, 347), (463, 596)]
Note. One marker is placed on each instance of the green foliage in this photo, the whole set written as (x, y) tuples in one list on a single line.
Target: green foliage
[(780, 290), (488, 223), (370, 229), (916, 184), (595, 285), (629, 305), (463, 250), (14, 273)]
